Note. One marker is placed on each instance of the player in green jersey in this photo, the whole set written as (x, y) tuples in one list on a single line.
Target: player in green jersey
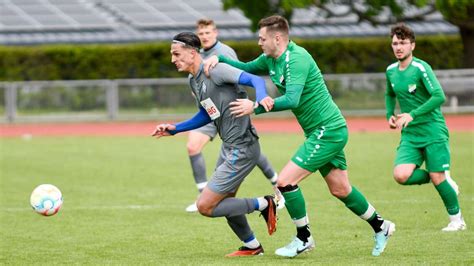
[(299, 80), (424, 135)]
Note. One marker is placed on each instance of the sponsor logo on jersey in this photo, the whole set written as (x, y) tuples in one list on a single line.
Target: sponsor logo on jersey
[(210, 108)]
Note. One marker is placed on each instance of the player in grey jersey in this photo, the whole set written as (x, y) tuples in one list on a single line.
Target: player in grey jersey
[(240, 148), (198, 138)]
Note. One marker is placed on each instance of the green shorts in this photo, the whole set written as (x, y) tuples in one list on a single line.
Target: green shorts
[(436, 156), (323, 150)]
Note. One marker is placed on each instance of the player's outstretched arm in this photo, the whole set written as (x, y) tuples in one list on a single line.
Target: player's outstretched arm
[(287, 101), (241, 107), (200, 119), (162, 130), (261, 91), (258, 65)]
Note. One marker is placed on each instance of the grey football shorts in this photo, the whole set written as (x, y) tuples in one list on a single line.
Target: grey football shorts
[(209, 130), (238, 163)]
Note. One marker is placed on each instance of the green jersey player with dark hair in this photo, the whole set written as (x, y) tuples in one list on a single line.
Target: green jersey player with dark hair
[(425, 137), (298, 78)]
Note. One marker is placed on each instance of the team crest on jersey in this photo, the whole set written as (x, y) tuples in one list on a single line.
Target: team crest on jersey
[(412, 88), (203, 88), (282, 80)]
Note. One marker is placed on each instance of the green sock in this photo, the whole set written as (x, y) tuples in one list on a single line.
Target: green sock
[(418, 177), (356, 202), (449, 197), (295, 204), (359, 205)]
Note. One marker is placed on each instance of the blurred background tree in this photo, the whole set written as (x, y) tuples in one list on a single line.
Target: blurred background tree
[(458, 12)]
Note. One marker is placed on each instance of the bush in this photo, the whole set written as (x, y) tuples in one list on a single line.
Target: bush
[(152, 60)]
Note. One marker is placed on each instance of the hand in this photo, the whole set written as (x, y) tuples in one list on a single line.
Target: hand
[(267, 103), (403, 120), (241, 107), (161, 130), (392, 122), (210, 63)]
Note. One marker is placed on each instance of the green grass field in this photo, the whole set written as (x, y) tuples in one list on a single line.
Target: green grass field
[(124, 200)]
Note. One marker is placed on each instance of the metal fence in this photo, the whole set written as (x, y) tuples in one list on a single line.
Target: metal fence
[(134, 99)]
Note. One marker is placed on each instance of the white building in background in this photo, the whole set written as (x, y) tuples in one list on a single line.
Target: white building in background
[(25, 22)]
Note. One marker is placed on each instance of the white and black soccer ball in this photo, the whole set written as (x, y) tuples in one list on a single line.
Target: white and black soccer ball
[(46, 199)]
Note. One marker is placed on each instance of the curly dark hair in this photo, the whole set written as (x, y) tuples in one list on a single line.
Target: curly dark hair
[(402, 32)]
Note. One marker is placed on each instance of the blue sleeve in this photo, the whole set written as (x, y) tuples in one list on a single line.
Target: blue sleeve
[(198, 120), (254, 81)]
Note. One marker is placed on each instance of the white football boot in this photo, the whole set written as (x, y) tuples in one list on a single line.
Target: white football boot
[(296, 247), (192, 208), (456, 223), (381, 238)]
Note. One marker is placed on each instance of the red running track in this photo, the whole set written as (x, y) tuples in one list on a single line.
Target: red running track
[(463, 123)]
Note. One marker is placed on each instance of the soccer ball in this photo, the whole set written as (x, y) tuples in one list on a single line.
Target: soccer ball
[(46, 199)]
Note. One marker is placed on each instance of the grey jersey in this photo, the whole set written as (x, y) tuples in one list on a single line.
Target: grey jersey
[(218, 49), (214, 94)]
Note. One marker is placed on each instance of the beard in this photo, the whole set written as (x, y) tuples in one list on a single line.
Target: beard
[(405, 57)]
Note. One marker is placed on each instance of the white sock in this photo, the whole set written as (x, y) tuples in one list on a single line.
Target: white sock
[(253, 244), (201, 186), (457, 217), (262, 203), (301, 222), (274, 179)]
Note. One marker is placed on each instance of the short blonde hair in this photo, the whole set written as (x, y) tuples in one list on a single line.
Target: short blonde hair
[(204, 22)]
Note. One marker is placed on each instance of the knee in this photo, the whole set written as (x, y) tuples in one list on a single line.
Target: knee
[(401, 175), (193, 148), (437, 177), (204, 209), (340, 192), (338, 183)]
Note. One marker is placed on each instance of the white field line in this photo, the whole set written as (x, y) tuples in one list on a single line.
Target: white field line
[(117, 207), (176, 206)]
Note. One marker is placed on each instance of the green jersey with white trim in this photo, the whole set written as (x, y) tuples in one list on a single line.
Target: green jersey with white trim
[(418, 93), (294, 69)]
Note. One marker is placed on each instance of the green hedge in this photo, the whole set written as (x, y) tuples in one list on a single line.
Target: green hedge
[(152, 60)]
